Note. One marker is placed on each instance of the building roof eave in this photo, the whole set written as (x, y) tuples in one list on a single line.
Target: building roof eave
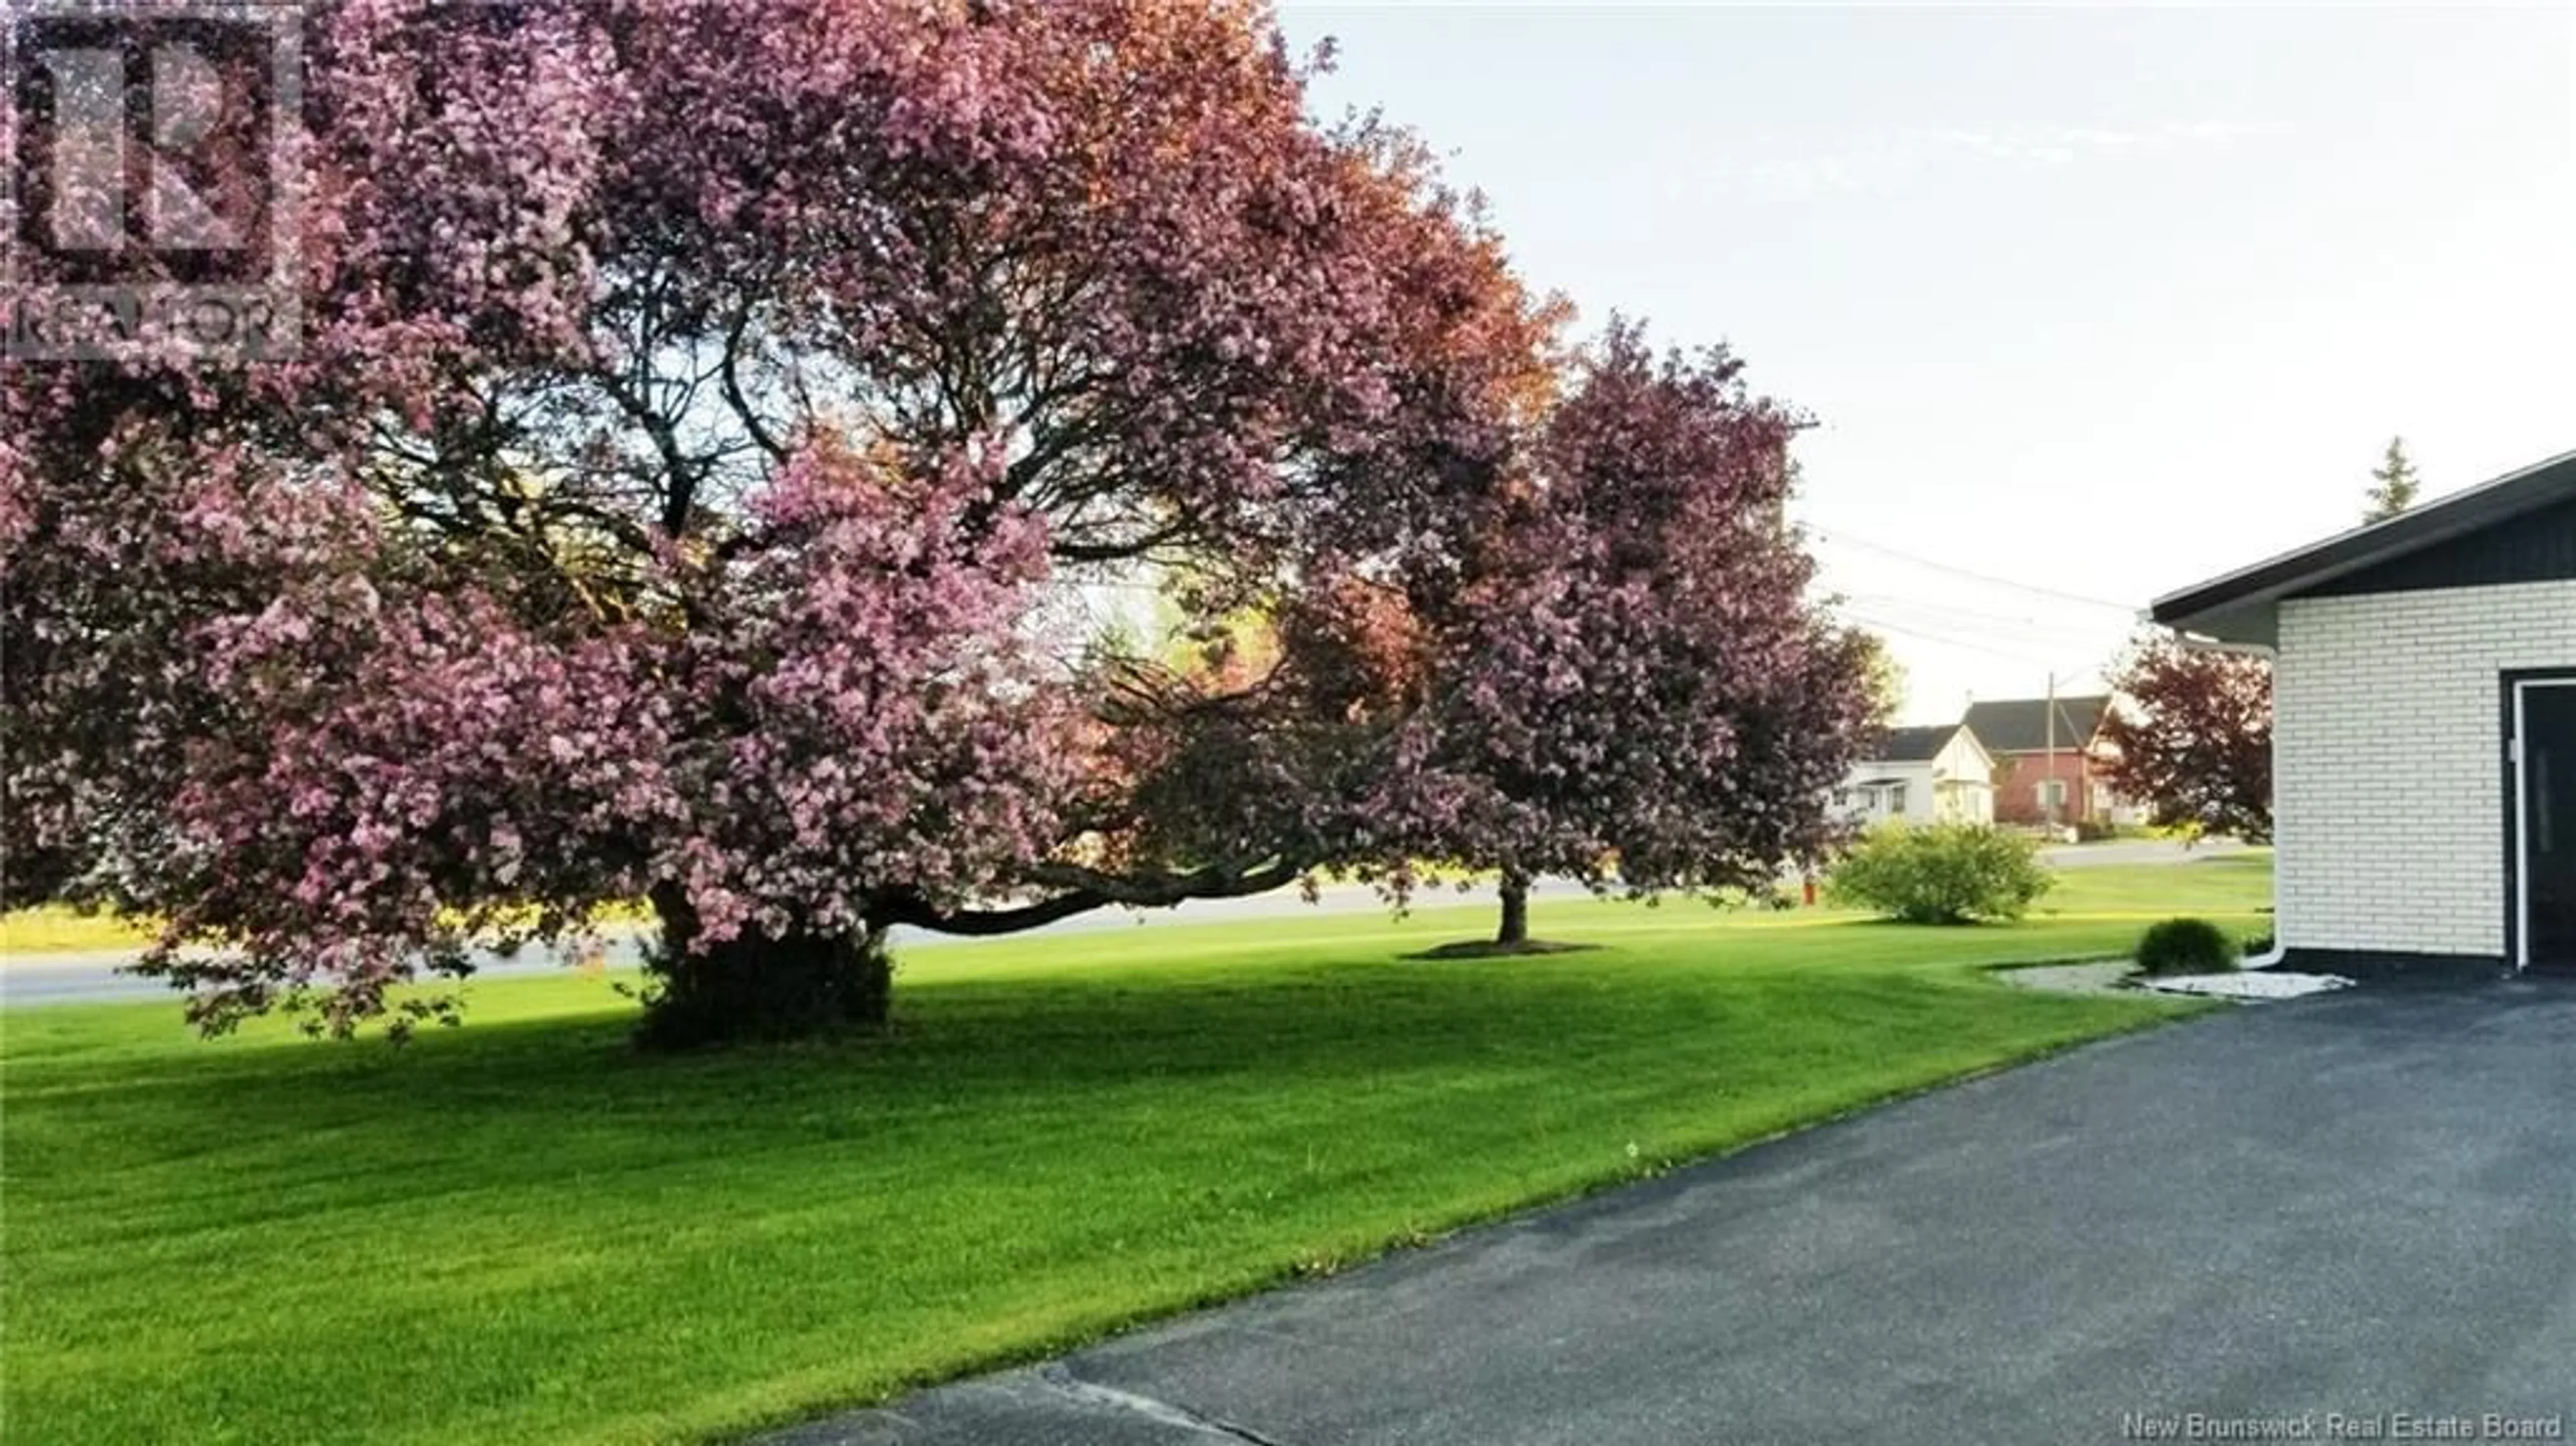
[(2243, 606)]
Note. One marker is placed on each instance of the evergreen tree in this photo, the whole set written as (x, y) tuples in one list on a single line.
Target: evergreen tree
[(2394, 484)]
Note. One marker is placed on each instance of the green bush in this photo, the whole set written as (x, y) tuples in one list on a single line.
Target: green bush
[(2186, 946), (1950, 873)]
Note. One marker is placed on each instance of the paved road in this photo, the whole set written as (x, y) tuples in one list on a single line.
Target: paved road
[(95, 977), (2136, 851), (2362, 1203)]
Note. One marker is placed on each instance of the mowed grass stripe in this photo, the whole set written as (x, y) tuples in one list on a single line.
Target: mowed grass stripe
[(520, 1231)]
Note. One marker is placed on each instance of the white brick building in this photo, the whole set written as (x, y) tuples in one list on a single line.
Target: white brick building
[(2424, 738)]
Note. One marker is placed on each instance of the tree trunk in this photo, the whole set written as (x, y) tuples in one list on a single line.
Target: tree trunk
[(1515, 927), (754, 987)]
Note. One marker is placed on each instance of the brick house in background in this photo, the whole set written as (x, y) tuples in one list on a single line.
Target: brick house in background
[(2034, 784)]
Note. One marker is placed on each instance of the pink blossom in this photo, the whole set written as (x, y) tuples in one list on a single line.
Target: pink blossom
[(702, 416)]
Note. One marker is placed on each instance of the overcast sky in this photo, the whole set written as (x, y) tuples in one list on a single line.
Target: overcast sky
[(2095, 301)]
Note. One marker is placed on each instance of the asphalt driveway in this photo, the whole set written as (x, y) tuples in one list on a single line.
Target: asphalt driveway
[(2361, 1204)]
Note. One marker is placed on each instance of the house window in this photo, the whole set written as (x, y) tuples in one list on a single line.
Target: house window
[(1896, 799), (2052, 796)]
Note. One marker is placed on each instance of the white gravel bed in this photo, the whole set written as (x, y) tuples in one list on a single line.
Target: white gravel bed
[(2102, 976), (2245, 984), (2112, 976)]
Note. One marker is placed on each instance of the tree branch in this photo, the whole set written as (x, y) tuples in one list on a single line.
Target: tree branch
[(1086, 890), (729, 375)]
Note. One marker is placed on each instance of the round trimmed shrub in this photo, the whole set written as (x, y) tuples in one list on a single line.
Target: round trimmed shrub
[(1949, 873), (2186, 946)]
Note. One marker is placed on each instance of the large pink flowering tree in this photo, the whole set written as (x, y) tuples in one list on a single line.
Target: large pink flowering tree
[(715, 437), (1638, 689)]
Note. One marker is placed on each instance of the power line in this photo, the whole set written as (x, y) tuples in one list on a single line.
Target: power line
[(1963, 626), (1901, 630), (1971, 619), (2088, 668), (1847, 540)]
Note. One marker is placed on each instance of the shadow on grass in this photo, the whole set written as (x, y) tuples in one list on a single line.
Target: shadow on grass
[(1489, 949), (1031, 1049)]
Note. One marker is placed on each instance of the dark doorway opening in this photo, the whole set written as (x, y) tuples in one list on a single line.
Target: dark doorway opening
[(2546, 713)]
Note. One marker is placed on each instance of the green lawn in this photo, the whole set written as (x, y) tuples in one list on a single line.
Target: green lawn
[(521, 1232)]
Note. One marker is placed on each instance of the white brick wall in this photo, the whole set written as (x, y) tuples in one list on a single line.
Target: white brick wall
[(2388, 757)]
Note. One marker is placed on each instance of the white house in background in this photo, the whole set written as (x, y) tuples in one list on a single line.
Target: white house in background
[(2424, 729), (1935, 774)]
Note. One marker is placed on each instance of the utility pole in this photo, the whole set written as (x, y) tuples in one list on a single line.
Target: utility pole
[(2048, 784)]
